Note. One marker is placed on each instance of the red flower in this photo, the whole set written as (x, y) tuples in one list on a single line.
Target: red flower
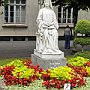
[(41, 70), (58, 86), (87, 64), (46, 77), (63, 82), (73, 84)]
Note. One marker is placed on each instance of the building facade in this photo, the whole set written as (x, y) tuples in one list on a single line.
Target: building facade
[(18, 20)]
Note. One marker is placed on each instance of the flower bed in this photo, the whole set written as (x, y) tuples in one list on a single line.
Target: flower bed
[(24, 73), (19, 72), (57, 77)]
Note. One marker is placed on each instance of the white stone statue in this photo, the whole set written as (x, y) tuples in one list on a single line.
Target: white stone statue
[(47, 34)]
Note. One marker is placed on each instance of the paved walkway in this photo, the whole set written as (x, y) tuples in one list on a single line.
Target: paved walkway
[(10, 49)]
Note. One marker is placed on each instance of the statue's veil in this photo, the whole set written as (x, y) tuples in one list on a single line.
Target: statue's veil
[(50, 4)]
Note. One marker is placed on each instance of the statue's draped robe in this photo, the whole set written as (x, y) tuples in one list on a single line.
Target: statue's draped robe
[(47, 35)]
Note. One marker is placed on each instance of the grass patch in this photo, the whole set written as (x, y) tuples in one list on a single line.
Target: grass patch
[(4, 61)]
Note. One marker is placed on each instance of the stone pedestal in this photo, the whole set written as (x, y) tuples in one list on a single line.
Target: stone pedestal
[(54, 55), (48, 60)]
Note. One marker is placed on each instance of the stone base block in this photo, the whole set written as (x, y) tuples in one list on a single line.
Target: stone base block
[(49, 55), (48, 62)]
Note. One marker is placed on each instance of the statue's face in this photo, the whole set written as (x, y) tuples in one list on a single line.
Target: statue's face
[(47, 3)]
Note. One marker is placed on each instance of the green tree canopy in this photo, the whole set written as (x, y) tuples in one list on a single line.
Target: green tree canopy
[(2, 2), (83, 27), (81, 4), (75, 4)]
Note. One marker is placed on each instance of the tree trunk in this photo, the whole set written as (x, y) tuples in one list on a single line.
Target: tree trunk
[(75, 15), (82, 49)]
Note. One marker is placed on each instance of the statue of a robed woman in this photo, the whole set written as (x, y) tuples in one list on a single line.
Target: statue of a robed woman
[(47, 34)]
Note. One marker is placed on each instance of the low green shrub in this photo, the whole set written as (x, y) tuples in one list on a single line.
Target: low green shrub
[(77, 61), (82, 41), (85, 54)]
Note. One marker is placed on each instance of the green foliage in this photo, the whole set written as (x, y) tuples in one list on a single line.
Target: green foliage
[(81, 4), (21, 69), (4, 61), (82, 41), (75, 4), (84, 54), (83, 27), (61, 73), (77, 61), (16, 63), (88, 70), (3, 2), (23, 72)]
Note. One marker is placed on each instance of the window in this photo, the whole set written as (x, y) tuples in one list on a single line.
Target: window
[(53, 2), (14, 11), (65, 15)]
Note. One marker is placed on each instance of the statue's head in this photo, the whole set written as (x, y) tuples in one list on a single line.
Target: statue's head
[(48, 3)]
